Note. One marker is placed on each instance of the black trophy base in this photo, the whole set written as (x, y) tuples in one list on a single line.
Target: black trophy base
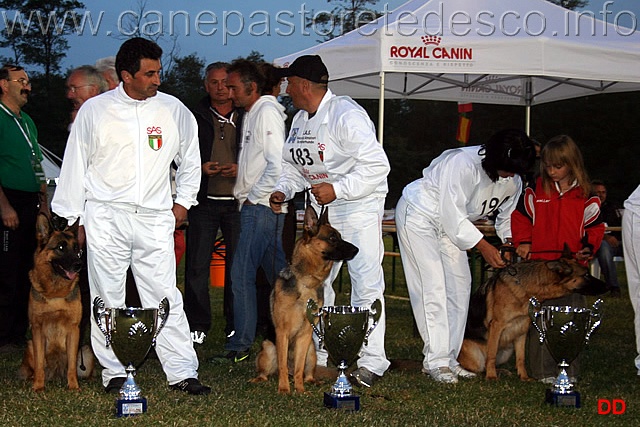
[(346, 403), (127, 408), (571, 399)]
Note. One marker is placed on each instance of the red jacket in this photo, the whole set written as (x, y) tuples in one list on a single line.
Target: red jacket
[(548, 221)]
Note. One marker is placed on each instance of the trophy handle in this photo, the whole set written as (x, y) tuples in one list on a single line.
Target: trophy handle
[(596, 318), (534, 311), (375, 312), (313, 314), (163, 314), (99, 314)]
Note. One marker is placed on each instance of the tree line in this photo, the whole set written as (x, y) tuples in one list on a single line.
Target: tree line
[(415, 131)]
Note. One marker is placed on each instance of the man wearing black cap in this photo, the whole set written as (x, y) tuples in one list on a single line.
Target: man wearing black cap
[(332, 148)]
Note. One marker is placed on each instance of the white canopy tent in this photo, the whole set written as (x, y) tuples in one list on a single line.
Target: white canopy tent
[(523, 52), (50, 164)]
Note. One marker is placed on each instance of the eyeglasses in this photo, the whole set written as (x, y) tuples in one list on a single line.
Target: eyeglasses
[(24, 82), (74, 89)]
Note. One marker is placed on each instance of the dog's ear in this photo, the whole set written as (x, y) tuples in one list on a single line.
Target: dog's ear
[(560, 266), (74, 228), (310, 220), (566, 252), (43, 228), (324, 216)]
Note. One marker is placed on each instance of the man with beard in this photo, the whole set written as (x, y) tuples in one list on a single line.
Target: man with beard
[(22, 195)]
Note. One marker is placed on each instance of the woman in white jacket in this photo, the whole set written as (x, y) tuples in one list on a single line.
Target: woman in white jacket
[(435, 218)]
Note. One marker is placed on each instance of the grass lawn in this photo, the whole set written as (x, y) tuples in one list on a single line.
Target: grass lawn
[(401, 398)]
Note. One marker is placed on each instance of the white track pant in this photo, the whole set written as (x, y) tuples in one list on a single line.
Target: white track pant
[(439, 284), (631, 248), (361, 225), (119, 237)]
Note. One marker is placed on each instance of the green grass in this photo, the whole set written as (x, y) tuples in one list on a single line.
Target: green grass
[(401, 398)]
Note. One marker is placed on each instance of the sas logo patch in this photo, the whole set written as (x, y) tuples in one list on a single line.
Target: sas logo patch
[(155, 137), (155, 142)]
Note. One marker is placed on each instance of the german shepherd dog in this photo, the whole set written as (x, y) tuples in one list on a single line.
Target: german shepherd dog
[(54, 307), (498, 318), (311, 262)]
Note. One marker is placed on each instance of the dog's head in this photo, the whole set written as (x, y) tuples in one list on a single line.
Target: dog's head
[(59, 246), (575, 277), (326, 238)]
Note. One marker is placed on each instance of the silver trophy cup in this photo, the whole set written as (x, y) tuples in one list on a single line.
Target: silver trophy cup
[(566, 330), (130, 332), (342, 330)]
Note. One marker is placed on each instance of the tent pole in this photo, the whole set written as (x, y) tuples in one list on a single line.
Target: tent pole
[(381, 110), (527, 100)]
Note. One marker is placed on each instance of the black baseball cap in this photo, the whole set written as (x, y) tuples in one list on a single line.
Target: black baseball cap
[(308, 67)]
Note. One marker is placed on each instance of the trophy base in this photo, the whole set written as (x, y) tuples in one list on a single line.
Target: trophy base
[(571, 399), (346, 403), (127, 408)]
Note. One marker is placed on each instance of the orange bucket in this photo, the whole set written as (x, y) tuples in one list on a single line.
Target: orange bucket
[(216, 268)]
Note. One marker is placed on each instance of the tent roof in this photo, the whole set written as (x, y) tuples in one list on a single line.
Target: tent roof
[(488, 51)]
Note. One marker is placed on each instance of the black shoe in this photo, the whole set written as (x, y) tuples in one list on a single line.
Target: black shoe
[(364, 377), (191, 386), (115, 384), (231, 357)]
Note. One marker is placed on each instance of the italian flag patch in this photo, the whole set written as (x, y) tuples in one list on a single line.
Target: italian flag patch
[(155, 142)]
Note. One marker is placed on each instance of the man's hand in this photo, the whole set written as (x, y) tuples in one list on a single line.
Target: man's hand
[(584, 254), (491, 254), (211, 168), (276, 201), (229, 170), (180, 214), (323, 193), (611, 240), (9, 216)]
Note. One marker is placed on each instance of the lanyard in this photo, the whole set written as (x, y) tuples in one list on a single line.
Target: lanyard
[(223, 119), (25, 133), (35, 162)]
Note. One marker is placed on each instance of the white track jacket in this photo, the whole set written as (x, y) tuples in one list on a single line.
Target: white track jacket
[(120, 151), (337, 145), (455, 191), (260, 158)]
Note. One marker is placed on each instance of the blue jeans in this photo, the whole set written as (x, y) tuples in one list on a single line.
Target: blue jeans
[(608, 266), (259, 245), (204, 221)]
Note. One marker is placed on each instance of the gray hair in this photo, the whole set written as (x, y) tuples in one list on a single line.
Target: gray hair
[(93, 77), (108, 65)]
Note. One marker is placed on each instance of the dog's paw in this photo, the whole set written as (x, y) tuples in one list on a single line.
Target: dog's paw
[(311, 380), (258, 379), (284, 389)]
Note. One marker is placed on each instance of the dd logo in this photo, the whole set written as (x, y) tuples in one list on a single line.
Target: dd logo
[(615, 406)]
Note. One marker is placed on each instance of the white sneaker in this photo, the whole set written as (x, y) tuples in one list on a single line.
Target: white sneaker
[(442, 375), (198, 337), (460, 372)]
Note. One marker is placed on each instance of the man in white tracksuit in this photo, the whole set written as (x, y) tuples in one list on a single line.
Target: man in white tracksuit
[(116, 178), (434, 218), (631, 248), (332, 148)]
